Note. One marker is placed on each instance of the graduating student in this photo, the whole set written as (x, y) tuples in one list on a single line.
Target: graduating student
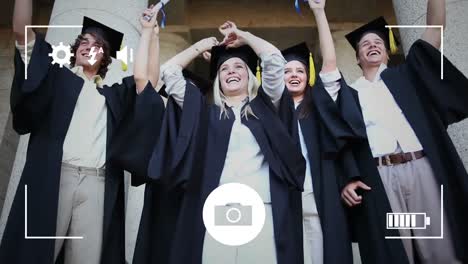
[(317, 123), (161, 202), (407, 110), (236, 138), (72, 188)]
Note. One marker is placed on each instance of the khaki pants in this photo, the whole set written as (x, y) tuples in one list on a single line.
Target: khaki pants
[(80, 213), (313, 237), (412, 188)]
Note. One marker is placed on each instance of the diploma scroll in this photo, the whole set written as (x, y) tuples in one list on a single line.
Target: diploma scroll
[(158, 6)]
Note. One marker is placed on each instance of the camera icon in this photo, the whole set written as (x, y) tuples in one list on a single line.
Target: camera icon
[(233, 214)]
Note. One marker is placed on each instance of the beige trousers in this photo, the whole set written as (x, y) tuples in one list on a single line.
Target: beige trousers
[(412, 188), (80, 213), (260, 250), (312, 230)]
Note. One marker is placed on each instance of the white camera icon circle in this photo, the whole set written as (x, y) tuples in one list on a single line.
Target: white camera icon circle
[(234, 214)]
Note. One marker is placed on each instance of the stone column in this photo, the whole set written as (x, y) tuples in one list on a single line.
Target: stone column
[(170, 45), (121, 15), (345, 55), (8, 138), (455, 48)]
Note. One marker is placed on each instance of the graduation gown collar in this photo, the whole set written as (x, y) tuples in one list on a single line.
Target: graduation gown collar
[(97, 79), (363, 82), (237, 108)]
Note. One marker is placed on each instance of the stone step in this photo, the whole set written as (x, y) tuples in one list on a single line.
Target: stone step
[(6, 75), (6, 38)]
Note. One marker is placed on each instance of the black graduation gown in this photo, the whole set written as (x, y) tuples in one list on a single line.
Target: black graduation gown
[(327, 129), (190, 157), (162, 200), (430, 105), (43, 106)]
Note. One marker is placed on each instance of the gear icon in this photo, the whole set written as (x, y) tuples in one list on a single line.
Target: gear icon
[(55, 52)]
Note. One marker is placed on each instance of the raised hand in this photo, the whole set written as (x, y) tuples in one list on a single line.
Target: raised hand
[(317, 4), (205, 45), (146, 65), (153, 22), (233, 37)]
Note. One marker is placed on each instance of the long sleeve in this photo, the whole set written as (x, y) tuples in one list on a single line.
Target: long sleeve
[(137, 134), (22, 49), (181, 140), (449, 96), (30, 98), (175, 82), (342, 119), (273, 76), (331, 82)]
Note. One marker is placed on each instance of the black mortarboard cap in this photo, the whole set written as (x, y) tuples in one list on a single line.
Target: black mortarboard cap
[(112, 36), (376, 26), (301, 53), (220, 54)]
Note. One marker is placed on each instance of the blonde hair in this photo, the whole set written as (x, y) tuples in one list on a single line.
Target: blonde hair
[(219, 98)]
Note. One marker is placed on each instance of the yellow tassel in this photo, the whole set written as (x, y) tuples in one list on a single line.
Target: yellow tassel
[(393, 45), (124, 66), (258, 74), (311, 70)]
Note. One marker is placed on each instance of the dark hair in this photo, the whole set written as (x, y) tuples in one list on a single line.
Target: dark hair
[(378, 33), (305, 107), (101, 42)]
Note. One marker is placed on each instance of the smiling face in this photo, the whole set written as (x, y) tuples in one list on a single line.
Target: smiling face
[(233, 77), (372, 51), (295, 77), (82, 54), (81, 51)]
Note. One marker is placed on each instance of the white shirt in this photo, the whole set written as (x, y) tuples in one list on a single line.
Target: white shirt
[(332, 85), (85, 142), (387, 128), (245, 162)]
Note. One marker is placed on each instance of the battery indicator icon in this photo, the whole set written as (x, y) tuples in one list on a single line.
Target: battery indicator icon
[(407, 220)]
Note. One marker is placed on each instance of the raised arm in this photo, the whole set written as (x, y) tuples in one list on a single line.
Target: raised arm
[(327, 47), (143, 61), (22, 16), (153, 64), (272, 60), (234, 37), (184, 58), (435, 17), (171, 71)]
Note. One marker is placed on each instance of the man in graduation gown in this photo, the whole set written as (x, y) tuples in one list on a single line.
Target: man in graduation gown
[(72, 187), (406, 110)]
